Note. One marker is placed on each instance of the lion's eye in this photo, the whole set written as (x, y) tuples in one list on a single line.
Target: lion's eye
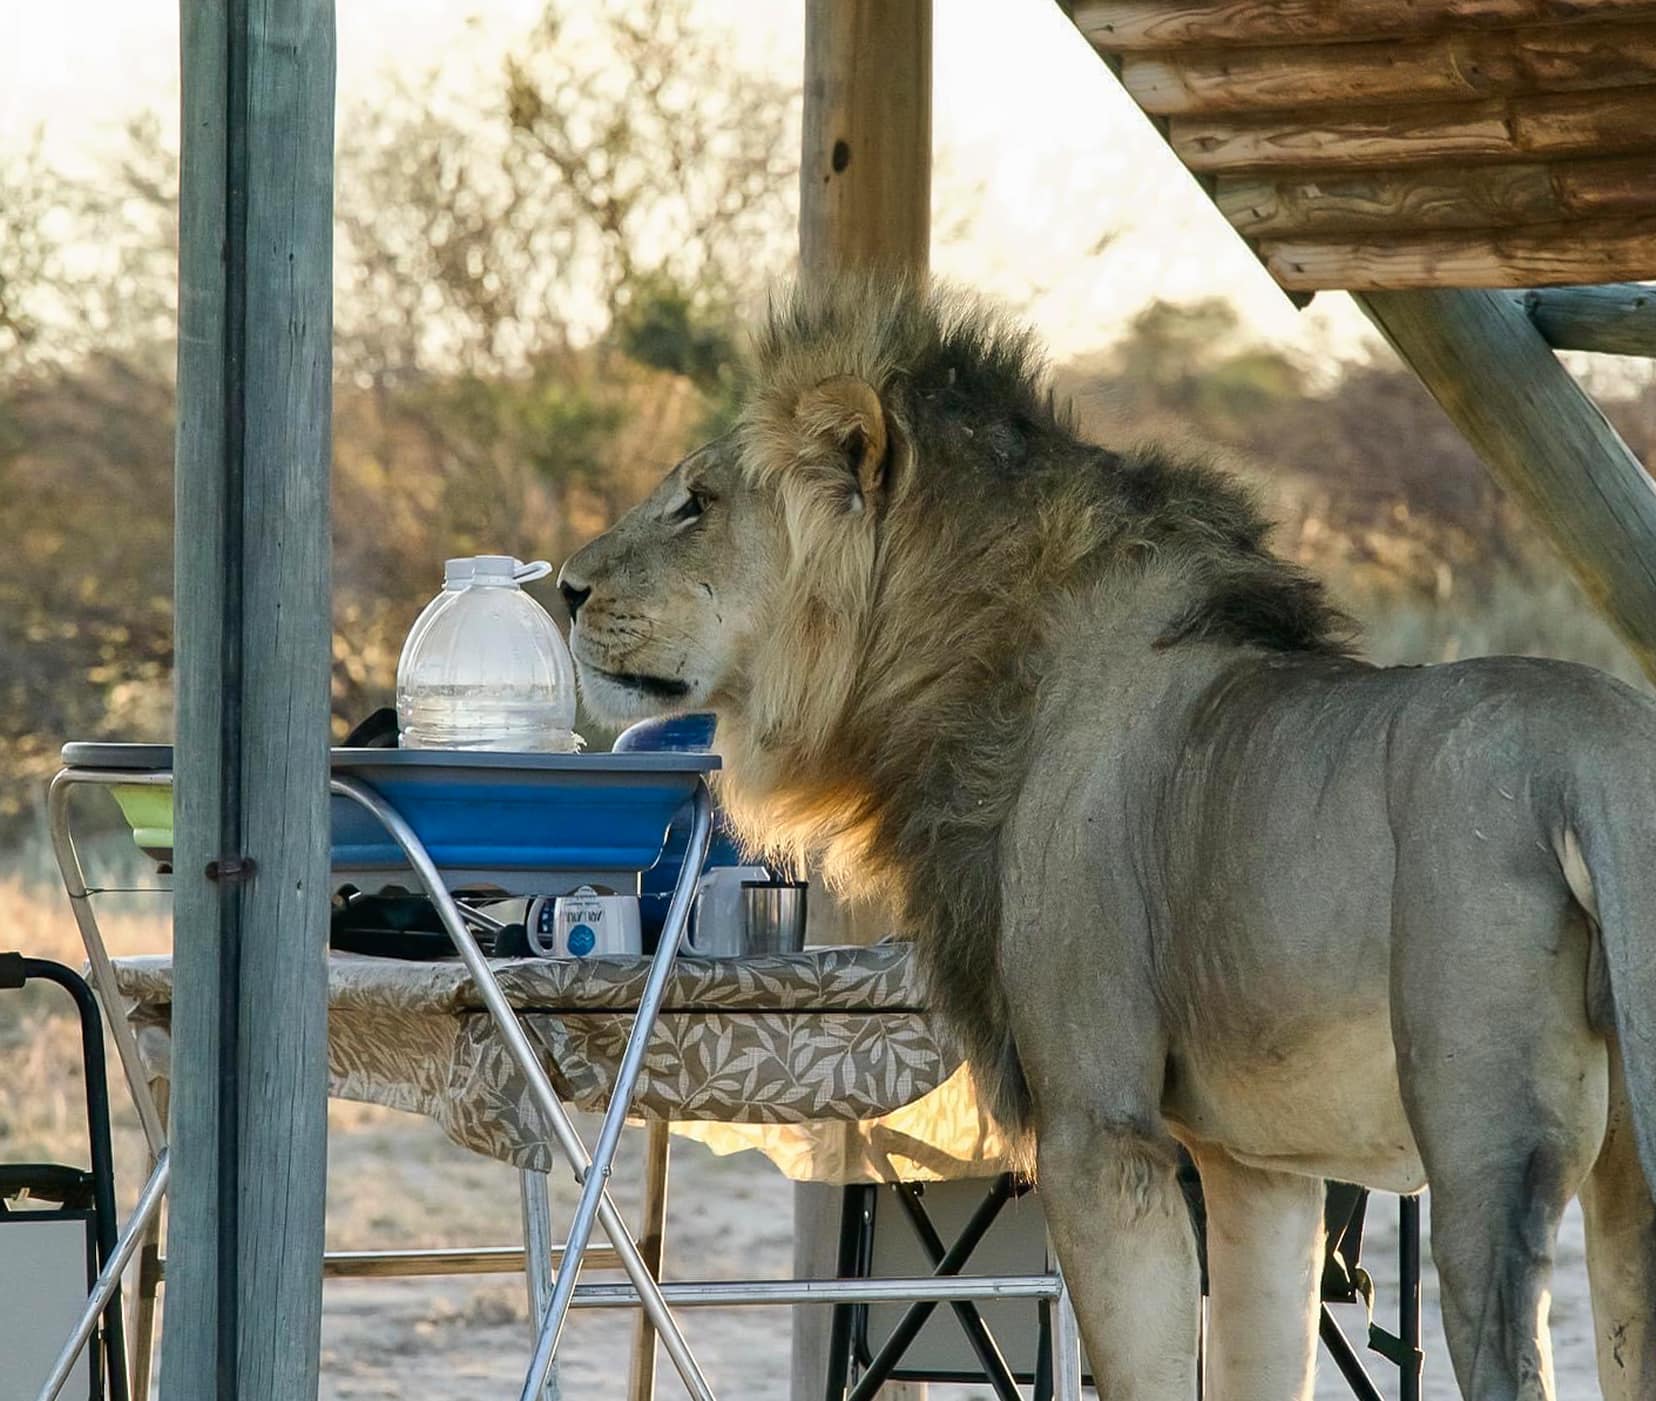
[(694, 504)]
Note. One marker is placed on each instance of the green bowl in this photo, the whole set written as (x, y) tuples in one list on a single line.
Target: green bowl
[(148, 809)]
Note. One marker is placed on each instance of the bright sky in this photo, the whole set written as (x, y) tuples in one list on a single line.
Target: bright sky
[(1037, 151)]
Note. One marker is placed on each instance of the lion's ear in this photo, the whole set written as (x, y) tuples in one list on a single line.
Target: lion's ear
[(846, 413)]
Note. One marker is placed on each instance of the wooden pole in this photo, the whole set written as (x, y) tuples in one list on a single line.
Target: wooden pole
[(252, 588), (865, 167), (1544, 439), (864, 201), (1614, 320), (652, 1238)]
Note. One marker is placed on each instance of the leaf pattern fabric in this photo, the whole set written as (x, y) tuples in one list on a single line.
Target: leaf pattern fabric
[(827, 1061)]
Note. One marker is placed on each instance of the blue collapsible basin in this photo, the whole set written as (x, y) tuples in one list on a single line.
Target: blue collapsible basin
[(685, 734), (486, 814)]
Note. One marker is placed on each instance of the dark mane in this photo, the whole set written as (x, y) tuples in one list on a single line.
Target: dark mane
[(900, 684), (974, 389)]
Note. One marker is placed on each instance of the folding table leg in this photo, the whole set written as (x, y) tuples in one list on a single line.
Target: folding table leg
[(142, 1343), (1066, 1347), (651, 1243), (537, 1256), (593, 1172), (615, 1118)]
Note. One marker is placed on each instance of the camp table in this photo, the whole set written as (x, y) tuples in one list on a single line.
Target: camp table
[(401, 812)]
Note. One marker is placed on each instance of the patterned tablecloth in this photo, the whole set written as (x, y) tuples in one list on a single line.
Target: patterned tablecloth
[(826, 1061)]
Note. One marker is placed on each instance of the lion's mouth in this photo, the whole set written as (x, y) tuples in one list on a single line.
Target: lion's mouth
[(663, 688)]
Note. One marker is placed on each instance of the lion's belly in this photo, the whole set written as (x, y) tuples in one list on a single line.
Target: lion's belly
[(1327, 1105)]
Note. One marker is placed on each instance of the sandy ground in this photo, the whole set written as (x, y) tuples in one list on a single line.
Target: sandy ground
[(453, 1339), (448, 1340)]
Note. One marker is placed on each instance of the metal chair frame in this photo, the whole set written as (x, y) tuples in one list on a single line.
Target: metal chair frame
[(97, 1184), (849, 1346)]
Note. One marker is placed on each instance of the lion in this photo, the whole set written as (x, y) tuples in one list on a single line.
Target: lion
[(1181, 867)]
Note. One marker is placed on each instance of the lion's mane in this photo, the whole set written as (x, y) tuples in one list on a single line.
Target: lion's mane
[(892, 702)]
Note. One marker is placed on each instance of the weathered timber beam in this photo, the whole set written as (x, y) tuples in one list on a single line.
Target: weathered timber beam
[(1543, 438), (252, 561), (1437, 197), (1600, 250), (1462, 66), (1126, 25), (865, 162), (864, 201), (1615, 122), (1616, 320)]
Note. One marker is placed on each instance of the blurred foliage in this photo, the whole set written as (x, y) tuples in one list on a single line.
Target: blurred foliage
[(1370, 483), (538, 293)]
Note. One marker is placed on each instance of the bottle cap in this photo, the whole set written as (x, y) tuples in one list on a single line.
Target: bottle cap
[(458, 571), (494, 569)]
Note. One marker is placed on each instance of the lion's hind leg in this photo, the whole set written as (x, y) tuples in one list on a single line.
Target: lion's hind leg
[(1505, 1084), (1621, 1256), (1265, 1255)]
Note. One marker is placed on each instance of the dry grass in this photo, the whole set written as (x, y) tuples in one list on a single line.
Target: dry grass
[(42, 1104)]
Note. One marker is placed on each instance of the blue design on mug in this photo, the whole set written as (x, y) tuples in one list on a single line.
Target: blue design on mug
[(582, 940)]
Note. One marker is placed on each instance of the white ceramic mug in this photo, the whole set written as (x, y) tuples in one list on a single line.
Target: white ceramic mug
[(716, 922), (585, 925)]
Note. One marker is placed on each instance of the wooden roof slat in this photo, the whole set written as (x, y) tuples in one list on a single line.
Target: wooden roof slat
[(1619, 121), (1435, 198), (1126, 26), (1603, 250), (1464, 66)]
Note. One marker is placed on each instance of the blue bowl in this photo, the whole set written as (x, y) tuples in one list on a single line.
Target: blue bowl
[(670, 734), (508, 814)]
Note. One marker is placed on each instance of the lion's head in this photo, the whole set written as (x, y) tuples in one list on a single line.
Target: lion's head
[(664, 607)]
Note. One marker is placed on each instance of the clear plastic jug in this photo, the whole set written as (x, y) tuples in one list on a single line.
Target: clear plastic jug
[(457, 577), (485, 667)]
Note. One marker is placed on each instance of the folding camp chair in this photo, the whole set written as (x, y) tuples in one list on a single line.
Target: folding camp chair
[(50, 1256), (906, 1228)]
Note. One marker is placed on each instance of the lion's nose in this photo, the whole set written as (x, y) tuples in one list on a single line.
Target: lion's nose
[(573, 596)]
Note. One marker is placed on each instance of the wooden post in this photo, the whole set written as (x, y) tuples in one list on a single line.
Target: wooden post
[(652, 1240), (865, 168), (864, 201), (1615, 320), (252, 560), (1544, 439)]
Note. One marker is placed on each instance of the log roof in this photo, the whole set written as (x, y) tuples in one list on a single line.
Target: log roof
[(1374, 144)]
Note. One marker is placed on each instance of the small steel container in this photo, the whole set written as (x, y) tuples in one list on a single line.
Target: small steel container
[(773, 916)]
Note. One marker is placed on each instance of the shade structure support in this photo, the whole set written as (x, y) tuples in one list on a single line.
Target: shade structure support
[(1542, 436), (248, 1134), (1616, 319)]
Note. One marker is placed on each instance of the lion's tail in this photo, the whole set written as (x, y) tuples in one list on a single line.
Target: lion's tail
[(1622, 899)]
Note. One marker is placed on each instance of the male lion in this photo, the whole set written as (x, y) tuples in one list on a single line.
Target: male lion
[(1180, 869)]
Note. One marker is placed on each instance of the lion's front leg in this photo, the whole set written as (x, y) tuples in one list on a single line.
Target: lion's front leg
[(1124, 1239)]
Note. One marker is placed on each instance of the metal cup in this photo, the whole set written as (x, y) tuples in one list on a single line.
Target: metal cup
[(773, 916)]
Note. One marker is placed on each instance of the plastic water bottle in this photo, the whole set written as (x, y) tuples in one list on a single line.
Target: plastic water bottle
[(485, 667), (457, 577)]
